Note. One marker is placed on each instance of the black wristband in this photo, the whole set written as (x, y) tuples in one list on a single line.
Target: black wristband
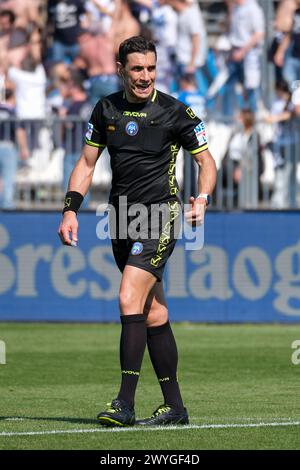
[(72, 202)]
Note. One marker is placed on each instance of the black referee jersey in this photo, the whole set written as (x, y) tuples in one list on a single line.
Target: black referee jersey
[(143, 140)]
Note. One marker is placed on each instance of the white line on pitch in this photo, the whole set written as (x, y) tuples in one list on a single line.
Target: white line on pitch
[(150, 428)]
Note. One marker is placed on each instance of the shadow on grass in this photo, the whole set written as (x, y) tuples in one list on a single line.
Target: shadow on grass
[(44, 418)]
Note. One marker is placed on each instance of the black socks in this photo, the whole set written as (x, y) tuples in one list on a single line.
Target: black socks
[(132, 346), (163, 353)]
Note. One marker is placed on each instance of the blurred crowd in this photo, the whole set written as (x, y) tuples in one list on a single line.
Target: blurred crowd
[(58, 58)]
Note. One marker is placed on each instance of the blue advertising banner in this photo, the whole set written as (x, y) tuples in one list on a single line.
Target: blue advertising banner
[(247, 271)]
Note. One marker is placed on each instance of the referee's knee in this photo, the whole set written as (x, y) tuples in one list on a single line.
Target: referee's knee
[(130, 302)]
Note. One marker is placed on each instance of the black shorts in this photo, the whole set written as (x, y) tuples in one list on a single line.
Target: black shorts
[(146, 239)]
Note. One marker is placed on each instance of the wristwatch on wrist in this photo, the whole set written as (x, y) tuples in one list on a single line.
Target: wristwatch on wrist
[(204, 196)]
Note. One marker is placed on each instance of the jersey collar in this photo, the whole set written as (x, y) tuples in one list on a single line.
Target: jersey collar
[(153, 98)]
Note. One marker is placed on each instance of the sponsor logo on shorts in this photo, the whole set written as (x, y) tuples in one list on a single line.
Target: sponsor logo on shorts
[(132, 128), (137, 248), (89, 131)]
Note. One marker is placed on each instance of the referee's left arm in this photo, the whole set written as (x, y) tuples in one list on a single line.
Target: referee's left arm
[(208, 172), (206, 184)]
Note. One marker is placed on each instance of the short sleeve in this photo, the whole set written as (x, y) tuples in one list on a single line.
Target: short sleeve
[(95, 133), (191, 130), (257, 19)]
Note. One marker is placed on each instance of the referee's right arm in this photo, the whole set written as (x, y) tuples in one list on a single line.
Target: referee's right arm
[(82, 174), (79, 183)]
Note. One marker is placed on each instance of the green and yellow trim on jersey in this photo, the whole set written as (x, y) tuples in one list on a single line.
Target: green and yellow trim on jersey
[(174, 148), (154, 95), (92, 144), (152, 99), (165, 237), (199, 149)]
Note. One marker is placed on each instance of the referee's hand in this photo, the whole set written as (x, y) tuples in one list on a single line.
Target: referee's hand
[(68, 229), (195, 216)]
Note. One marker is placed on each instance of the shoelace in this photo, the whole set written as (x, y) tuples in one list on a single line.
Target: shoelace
[(161, 409), (112, 409)]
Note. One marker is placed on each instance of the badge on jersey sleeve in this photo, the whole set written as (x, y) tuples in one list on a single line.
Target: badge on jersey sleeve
[(89, 131), (201, 134), (191, 113)]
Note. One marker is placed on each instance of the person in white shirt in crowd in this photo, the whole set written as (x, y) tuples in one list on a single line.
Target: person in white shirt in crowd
[(243, 164), (285, 146), (191, 49), (164, 30), (8, 150), (246, 34), (29, 79), (99, 15)]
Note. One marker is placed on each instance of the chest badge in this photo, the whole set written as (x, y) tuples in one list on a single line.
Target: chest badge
[(132, 128)]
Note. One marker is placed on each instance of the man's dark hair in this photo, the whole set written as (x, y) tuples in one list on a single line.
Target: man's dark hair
[(135, 44), (10, 14), (282, 85)]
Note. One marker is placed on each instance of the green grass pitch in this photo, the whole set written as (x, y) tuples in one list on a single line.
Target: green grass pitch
[(238, 382)]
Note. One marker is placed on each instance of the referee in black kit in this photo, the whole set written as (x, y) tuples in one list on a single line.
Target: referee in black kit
[(143, 130)]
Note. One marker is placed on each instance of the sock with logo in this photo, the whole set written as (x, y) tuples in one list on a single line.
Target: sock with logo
[(164, 357), (132, 347)]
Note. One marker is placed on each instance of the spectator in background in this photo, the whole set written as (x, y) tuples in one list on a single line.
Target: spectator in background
[(29, 79), (284, 147), (77, 106), (56, 74), (189, 95), (124, 24), (191, 47), (25, 11), (64, 18), (142, 11), (164, 31), (296, 101), (282, 25), (8, 151), (288, 52), (99, 15), (242, 165), (246, 33), (7, 19), (96, 56)]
